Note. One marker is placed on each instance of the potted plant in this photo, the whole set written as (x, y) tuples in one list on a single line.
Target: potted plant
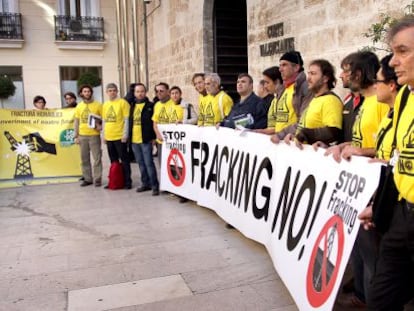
[(7, 88), (89, 78)]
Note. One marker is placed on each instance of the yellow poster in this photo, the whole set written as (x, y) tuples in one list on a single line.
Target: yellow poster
[(37, 147)]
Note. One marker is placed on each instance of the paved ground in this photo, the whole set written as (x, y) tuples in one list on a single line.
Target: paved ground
[(59, 238), (63, 247)]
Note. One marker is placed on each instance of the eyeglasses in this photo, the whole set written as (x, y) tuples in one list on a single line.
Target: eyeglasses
[(159, 91)]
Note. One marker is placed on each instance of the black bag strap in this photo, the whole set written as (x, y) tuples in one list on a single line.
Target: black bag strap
[(403, 102), (383, 133), (188, 111)]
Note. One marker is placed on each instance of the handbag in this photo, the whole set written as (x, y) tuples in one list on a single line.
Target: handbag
[(386, 197)]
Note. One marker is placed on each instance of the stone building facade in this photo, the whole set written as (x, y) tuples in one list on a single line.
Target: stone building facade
[(182, 33), (169, 40)]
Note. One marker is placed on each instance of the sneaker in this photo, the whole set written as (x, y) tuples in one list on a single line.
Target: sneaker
[(86, 183), (143, 188), (155, 192)]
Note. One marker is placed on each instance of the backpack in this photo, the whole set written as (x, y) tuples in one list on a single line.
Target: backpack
[(116, 176)]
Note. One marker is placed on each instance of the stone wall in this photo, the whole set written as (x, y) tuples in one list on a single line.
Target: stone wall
[(180, 33)]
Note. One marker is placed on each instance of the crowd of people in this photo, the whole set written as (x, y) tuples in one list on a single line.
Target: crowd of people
[(295, 107)]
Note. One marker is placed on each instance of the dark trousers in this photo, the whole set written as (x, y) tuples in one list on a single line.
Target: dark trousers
[(118, 150), (363, 259), (393, 282)]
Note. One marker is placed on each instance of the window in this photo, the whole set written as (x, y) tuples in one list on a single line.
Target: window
[(69, 77), (79, 8), (17, 100), (9, 6)]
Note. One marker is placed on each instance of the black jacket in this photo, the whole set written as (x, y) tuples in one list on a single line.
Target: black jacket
[(251, 108), (148, 133)]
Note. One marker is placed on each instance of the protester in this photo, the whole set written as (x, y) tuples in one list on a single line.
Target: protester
[(249, 112), (352, 101), (200, 87), (142, 134), (115, 115), (165, 112), (70, 99), (218, 105), (392, 284), (264, 94), (293, 99), (322, 119), (88, 127), (273, 84), (363, 68), (39, 102), (190, 115)]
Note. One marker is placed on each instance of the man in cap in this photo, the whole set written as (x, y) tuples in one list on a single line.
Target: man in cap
[(294, 98)]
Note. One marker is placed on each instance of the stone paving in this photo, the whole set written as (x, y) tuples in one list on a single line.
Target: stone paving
[(60, 241), (55, 239)]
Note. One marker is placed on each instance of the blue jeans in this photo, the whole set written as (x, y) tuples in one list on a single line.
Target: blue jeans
[(143, 156)]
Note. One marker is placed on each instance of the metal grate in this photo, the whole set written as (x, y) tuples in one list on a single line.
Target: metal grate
[(82, 28), (11, 26)]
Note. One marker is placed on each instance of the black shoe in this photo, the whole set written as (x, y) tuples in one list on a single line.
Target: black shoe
[(106, 187), (127, 187), (86, 183), (155, 192), (82, 178), (183, 200), (143, 188), (228, 226), (348, 287)]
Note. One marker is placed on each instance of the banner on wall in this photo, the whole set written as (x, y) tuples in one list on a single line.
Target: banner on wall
[(37, 147), (300, 204)]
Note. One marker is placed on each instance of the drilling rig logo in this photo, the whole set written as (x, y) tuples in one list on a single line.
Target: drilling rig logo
[(30, 143)]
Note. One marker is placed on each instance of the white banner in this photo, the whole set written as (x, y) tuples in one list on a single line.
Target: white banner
[(300, 204)]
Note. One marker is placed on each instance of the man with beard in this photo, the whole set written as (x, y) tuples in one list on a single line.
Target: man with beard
[(322, 119), (88, 136), (142, 135), (352, 102)]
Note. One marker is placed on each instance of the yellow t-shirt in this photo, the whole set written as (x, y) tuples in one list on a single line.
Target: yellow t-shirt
[(285, 113), (202, 102), (404, 171), (325, 110), (271, 114), (210, 113), (114, 113), (82, 112), (136, 124), (383, 151), (168, 112), (365, 128)]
